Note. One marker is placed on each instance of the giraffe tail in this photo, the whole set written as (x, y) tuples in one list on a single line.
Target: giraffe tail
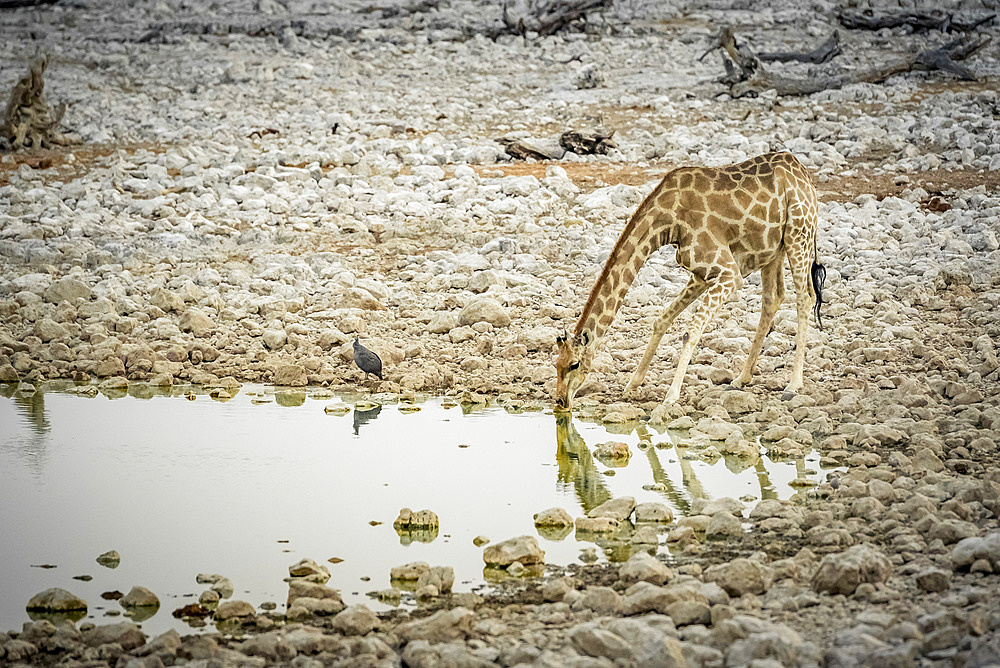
[(818, 279)]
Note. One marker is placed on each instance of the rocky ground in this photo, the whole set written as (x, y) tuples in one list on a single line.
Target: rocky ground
[(249, 186)]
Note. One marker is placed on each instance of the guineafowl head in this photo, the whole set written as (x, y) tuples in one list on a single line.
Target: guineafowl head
[(574, 357)]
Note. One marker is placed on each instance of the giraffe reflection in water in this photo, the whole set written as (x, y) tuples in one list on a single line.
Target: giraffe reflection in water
[(31, 406), (577, 467)]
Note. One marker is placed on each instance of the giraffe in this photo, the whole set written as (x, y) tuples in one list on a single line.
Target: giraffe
[(725, 222)]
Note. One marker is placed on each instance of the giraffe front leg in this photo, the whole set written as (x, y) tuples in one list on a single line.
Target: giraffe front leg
[(721, 289), (691, 291)]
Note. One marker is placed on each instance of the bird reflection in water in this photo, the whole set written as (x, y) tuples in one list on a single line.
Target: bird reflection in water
[(364, 417)]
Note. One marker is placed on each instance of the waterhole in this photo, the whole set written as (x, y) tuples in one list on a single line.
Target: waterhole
[(180, 484)]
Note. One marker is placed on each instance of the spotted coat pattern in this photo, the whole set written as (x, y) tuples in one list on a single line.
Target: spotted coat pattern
[(725, 222)]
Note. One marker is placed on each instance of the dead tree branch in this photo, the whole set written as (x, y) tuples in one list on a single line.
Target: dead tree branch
[(17, 4), (746, 75), (545, 18), (921, 20), (392, 10), (821, 54), (28, 120)]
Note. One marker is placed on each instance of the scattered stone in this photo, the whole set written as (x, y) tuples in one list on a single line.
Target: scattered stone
[(741, 576), (309, 570), (614, 453), (524, 549), (195, 320), (139, 597), (421, 519), (645, 567), (442, 626), (290, 375), (110, 559), (842, 572), (126, 634), (723, 526), (233, 609), (653, 511), (484, 309), (355, 620), (933, 580), (553, 517), (411, 571), (619, 509), (441, 578), (602, 600), (56, 600)]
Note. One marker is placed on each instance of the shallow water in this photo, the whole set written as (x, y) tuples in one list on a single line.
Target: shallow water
[(247, 487)]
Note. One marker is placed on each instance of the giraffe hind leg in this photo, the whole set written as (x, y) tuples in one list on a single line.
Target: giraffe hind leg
[(773, 294), (694, 288), (804, 301)]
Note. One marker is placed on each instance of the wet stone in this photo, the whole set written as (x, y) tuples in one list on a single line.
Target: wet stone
[(308, 569), (523, 549), (233, 609), (56, 600), (653, 511), (139, 597), (619, 509), (553, 517)]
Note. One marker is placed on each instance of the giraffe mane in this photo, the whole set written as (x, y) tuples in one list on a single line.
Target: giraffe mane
[(639, 214)]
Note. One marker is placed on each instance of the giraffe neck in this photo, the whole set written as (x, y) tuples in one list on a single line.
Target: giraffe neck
[(645, 232)]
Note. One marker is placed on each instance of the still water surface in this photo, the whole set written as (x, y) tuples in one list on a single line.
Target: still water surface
[(247, 487)]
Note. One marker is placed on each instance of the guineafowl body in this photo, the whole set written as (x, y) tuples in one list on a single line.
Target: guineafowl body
[(366, 360)]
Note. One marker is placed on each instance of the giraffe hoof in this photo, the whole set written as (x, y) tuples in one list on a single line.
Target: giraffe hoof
[(787, 396), (729, 387)]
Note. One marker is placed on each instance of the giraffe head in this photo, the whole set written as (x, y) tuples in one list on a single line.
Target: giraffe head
[(575, 355)]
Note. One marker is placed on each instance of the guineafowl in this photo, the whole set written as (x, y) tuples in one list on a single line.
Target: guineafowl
[(366, 360)]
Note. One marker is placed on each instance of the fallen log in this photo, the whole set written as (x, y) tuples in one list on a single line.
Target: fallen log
[(746, 74), (545, 18), (522, 149), (596, 141), (921, 20), (17, 4), (589, 142), (393, 9), (821, 54)]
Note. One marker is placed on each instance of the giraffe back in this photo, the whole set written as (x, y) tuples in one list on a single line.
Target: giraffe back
[(745, 209)]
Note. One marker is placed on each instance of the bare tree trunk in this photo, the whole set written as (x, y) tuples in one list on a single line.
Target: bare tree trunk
[(746, 75), (920, 20)]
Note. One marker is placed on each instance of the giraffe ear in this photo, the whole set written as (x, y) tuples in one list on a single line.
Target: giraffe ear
[(584, 338), (561, 338)]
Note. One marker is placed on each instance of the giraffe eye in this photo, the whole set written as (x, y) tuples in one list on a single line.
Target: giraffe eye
[(573, 366)]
